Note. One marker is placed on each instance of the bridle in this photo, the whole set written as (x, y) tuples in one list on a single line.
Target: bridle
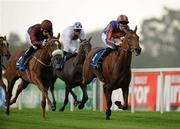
[(47, 47)]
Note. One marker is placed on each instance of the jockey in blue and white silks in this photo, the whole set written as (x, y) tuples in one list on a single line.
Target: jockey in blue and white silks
[(112, 36), (71, 38)]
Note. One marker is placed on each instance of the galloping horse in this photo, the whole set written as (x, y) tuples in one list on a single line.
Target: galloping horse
[(39, 72), (72, 73), (116, 69), (4, 51)]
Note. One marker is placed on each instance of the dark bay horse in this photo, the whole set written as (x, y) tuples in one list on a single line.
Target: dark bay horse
[(72, 73), (4, 51), (116, 69), (39, 72)]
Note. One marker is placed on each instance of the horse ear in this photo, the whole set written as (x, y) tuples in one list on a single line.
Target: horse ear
[(90, 38), (135, 29), (58, 36), (5, 37)]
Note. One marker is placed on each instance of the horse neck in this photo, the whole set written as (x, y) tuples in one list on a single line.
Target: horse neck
[(124, 60), (43, 56), (79, 59)]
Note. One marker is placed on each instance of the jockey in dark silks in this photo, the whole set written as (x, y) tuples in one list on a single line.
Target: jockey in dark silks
[(36, 36), (112, 36)]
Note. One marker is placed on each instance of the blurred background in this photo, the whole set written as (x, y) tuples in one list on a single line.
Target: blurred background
[(158, 23)]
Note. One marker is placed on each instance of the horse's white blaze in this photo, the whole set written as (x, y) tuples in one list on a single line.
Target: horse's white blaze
[(56, 42), (5, 42)]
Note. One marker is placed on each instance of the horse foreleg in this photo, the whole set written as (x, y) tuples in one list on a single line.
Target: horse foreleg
[(76, 102), (85, 96), (43, 105), (20, 88), (53, 97), (125, 92), (41, 87), (65, 100), (9, 94), (125, 97), (87, 75), (108, 93)]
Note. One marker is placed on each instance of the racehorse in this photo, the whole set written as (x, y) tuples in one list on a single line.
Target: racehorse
[(4, 51), (116, 69), (72, 73), (39, 72)]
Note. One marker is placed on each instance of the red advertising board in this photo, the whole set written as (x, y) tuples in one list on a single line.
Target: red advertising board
[(145, 90), (172, 88)]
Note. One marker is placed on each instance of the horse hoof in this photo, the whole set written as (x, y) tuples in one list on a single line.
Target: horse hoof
[(125, 108), (76, 103), (53, 108), (118, 103), (61, 110), (81, 106), (107, 118), (7, 113)]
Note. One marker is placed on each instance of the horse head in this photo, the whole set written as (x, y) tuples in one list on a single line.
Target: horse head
[(53, 46), (85, 46), (131, 42), (4, 45)]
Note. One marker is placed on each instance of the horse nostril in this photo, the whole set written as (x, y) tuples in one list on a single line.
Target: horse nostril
[(138, 50)]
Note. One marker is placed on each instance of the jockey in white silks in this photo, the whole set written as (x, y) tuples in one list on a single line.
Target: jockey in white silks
[(71, 38)]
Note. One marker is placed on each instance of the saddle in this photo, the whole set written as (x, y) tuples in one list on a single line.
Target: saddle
[(98, 58)]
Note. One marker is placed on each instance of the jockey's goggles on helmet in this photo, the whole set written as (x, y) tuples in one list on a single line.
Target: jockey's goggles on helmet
[(77, 30), (45, 31), (123, 23)]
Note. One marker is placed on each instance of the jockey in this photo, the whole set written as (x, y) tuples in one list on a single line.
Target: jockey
[(71, 38), (36, 37), (113, 35)]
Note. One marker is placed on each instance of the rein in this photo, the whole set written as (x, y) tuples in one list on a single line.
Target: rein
[(47, 65)]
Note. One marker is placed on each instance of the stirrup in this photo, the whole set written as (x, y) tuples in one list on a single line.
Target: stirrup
[(60, 65)]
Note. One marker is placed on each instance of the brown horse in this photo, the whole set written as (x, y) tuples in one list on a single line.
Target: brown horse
[(4, 51), (39, 72), (72, 73), (116, 69)]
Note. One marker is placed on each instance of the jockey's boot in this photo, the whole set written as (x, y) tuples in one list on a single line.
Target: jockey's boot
[(21, 63)]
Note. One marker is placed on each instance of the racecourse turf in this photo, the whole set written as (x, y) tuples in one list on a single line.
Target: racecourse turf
[(86, 119)]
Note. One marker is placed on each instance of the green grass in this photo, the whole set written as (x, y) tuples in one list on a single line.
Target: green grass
[(32, 119)]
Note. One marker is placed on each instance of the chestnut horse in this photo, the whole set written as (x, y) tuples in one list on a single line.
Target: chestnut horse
[(116, 69), (4, 51), (72, 73), (39, 72)]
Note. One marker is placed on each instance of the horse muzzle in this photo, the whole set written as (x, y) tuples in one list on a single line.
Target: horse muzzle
[(137, 51)]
